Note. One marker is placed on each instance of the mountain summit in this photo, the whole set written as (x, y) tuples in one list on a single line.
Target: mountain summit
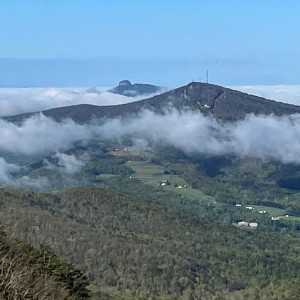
[(219, 102)]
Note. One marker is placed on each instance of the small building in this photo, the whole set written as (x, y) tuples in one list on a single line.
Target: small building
[(164, 183), (243, 224), (276, 218), (253, 225)]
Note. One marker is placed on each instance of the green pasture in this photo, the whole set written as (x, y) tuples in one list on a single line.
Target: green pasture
[(153, 174), (270, 210), (274, 212), (105, 176)]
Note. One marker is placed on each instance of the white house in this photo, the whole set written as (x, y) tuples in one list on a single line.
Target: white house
[(243, 224), (253, 225)]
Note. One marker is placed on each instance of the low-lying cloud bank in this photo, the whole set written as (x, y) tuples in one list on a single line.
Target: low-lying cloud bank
[(68, 164), (40, 134), (282, 93), (6, 171), (258, 136), (265, 137), (15, 101)]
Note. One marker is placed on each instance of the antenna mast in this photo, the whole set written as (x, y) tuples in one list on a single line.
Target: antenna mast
[(206, 72), (218, 72)]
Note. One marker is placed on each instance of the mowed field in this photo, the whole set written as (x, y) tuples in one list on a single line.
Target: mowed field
[(153, 174), (274, 212)]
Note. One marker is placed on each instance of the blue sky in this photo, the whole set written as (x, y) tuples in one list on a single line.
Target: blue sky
[(98, 43)]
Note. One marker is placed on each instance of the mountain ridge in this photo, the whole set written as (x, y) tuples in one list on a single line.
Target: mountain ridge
[(220, 102)]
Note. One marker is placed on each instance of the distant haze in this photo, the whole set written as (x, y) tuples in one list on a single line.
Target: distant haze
[(68, 43), (283, 93)]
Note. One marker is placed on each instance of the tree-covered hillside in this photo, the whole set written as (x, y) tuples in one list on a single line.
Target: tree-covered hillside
[(140, 249)]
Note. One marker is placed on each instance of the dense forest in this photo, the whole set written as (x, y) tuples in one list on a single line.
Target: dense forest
[(129, 247)]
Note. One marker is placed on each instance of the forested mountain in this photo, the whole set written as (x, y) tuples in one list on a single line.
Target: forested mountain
[(147, 219), (137, 249), (219, 102)]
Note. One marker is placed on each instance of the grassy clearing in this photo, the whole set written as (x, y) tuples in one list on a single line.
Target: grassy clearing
[(274, 212), (148, 173), (292, 218), (270, 210), (192, 194), (105, 176), (152, 174)]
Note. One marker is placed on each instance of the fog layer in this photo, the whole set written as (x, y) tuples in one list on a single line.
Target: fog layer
[(258, 136)]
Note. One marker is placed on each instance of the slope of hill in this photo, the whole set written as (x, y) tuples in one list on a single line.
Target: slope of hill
[(157, 243), (140, 249), (223, 180), (36, 273), (222, 103)]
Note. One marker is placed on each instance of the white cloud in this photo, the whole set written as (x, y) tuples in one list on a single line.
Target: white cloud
[(68, 164), (6, 170), (266, 137), (283, 93), (258, 136), (21, 100), (40, 134)]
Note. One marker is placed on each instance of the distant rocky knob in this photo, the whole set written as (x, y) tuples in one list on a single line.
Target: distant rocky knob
[(125, 82), (126, 88)]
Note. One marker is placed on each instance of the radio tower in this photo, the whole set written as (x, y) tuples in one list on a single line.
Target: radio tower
[(206, 72)]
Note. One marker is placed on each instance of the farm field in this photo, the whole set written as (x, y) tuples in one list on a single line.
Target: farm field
[(152, 174), (274, 212)]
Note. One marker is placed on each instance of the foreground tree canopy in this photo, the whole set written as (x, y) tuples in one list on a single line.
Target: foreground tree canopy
[(134, 248)]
